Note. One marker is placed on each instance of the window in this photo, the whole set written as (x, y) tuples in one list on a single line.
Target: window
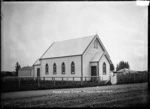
[(96, 44), (72, 68), (63, 68), (104, 68), (54, 69), (46, 69), (38, 72)]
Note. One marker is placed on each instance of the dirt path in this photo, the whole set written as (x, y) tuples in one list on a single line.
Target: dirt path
[(104, 96)]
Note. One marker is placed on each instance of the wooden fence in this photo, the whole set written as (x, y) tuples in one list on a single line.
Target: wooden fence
[(132, 78), (33, 83), (17, 83)]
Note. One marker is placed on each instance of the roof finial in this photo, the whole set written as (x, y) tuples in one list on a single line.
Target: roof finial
[(96, 33)]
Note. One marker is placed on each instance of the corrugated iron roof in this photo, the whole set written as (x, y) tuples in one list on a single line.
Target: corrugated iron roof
[(37, 62), (126, 70), (68, 47), (27, 68), (97, 57)]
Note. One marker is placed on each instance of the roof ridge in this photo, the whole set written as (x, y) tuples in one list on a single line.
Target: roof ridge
[(79, 40), (75, 38), (46, 50), (35, 61)]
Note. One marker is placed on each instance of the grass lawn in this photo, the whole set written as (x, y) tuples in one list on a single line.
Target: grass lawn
[(126, 95)]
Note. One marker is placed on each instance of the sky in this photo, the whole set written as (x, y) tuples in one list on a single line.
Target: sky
[(29, 28)]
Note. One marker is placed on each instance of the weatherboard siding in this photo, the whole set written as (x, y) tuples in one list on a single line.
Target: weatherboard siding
[(82, 60), (87, 57), (107, 76), (35, 70), (25, 73), (58, 62)]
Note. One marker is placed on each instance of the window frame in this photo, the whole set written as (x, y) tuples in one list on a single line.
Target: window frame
[(46, 69), (96, 44), (54, 69), (104, 68), (72, 67), (63, 68)]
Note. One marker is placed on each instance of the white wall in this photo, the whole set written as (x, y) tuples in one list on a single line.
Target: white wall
[(25, 73), (87, 57), (35, 67), (107, 76), (58, 62)]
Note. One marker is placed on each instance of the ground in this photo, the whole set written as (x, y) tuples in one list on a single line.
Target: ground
[(127, 95)]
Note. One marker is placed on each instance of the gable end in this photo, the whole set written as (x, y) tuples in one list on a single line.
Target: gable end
[(88, 45)]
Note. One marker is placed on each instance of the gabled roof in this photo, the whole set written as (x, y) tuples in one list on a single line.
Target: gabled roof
[(68, 47), (26, 68), (73, 47), (97, 57), (103, 47), (125, 70), (37, 62), (107, 57)]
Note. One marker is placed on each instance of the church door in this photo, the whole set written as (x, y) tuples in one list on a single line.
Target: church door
[(38, 72), (93, 73)]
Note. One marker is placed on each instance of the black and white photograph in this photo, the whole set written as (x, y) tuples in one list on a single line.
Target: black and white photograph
[(69, 54)]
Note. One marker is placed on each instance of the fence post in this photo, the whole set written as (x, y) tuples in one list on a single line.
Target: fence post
[(38, 81), (4, 79), (19, 82), (67, 80), (134, 77), (99, 79), (43, 80), (62, 79), (81, 80), (54, 81)]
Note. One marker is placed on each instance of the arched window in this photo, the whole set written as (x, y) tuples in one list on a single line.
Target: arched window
[(95, 44), (46, 69), (54, 69), (104, 68), (72, 68), (63, 68)]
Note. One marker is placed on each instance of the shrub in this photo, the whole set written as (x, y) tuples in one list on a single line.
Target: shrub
[(13, 84), (132, 78)]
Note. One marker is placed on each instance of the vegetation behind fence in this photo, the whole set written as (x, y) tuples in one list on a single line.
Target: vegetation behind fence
[(132, 78), (31, 83), (9, 84)]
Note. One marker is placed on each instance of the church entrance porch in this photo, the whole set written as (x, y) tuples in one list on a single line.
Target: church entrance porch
[(94, 72)]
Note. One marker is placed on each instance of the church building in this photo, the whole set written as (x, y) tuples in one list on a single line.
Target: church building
[(80, 57)]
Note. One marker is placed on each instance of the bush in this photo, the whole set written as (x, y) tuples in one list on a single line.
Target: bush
[(12, 84), (132, 78)]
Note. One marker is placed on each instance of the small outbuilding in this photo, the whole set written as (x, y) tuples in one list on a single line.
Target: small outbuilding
[(125, 71), (123, 76), (25, 72)]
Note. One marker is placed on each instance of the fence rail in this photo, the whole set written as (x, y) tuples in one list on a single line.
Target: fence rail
[(10, 83), (54, 78), (30, 83)]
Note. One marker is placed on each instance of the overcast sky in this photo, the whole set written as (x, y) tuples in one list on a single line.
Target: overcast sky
[(29, 28)]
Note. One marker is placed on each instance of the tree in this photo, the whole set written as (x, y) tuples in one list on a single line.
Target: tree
[(17, 67), (122, 65), (111, 67)]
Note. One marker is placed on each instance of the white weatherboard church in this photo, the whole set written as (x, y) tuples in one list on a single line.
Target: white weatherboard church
[(82, 57)]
